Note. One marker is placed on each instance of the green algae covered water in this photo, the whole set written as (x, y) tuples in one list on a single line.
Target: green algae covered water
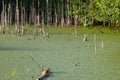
[(68, 58)]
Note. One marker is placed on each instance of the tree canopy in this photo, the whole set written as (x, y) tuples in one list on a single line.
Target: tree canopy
[(88, 12)]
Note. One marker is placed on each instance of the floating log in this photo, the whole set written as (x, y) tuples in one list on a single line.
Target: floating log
[(45, 73)]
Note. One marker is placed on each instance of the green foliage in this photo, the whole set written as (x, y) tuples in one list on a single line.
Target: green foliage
[(105, 10), (98, 10)]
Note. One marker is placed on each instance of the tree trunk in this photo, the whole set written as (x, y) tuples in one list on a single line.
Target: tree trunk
[(9, 17), (17, 28), (3, 20), (56, 19), (76, 22)]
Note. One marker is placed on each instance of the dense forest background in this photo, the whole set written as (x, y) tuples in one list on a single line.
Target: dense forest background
[(61, 12)]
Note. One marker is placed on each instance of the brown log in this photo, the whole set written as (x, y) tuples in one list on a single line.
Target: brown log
[(45, 73)]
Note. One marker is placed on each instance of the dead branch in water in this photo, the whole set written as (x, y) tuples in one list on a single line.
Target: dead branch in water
[(35, 62), (45, 73)]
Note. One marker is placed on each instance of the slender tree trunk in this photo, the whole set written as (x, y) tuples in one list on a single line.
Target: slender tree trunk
[(47, 13), (3, 19), (58, 13), (9, 17), (68, 21), (37, 21), (17, 28), (62, 19), (43, 29), (75, 20), (68, 14), (62, 15), (22, 20), (68, 17), (2, 22), (56, 19)]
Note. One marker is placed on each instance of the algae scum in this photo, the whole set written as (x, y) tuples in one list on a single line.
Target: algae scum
[(68, 58)]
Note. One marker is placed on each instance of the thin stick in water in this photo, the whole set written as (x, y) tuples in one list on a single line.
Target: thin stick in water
[(35, 62)]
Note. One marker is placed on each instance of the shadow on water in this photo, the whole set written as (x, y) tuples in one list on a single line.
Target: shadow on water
[(18, 49), (52, 74), (57, 73)]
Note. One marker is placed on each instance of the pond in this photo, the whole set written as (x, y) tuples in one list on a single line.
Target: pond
[(68, 58)]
